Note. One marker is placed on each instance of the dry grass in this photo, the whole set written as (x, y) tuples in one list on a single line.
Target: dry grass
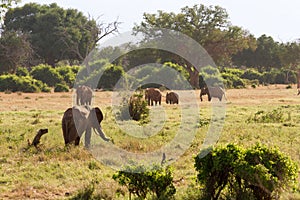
[(56, 172)]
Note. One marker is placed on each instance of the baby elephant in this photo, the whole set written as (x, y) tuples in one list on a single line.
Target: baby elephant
[(172, 98)]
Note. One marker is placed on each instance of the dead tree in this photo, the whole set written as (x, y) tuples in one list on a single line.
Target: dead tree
[(38, 136)]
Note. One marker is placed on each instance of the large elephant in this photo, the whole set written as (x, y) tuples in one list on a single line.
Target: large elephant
[(84, 95), (211, 92), (172, 98), (79, 119), (153, 95)]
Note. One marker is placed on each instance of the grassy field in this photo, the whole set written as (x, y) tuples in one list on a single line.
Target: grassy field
[(55, 172)]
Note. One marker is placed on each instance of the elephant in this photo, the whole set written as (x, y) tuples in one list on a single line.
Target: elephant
[(211, 92), (79, 119), (84, 95), (172, 98), (153, 95)]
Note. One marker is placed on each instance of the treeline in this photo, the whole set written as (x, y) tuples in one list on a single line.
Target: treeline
[(104, 75), (50, 42)]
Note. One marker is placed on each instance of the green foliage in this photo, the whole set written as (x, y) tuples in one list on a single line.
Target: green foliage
[(141, 181), (138, 109), (15, 50), (15, 83), (254, 173), (210, 76), (46, 74), (251, 74), (54, 33), (206, 25), (61, 88), (273, 116), (68, 73), (22, 71), (111, 75)]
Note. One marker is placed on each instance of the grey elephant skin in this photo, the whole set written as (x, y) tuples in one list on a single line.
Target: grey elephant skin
[(84, 95), (153, 95), (216, 92), (172, 98), (80, 119)]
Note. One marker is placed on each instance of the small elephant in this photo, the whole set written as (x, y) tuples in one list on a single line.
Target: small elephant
[(153, 95), (79, 119), (172, 98), (211, 92), (84, 95)]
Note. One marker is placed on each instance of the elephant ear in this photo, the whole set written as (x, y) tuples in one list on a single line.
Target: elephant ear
[(98, 113)]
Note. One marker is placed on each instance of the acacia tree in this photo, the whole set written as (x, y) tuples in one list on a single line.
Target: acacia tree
[(55, 33), (209, 26)]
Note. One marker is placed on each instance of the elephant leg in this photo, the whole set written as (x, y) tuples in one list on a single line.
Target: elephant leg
[(77, 141), (87, 138), (151, 102)]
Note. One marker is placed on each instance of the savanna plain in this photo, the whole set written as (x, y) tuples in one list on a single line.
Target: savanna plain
[(53, 171)]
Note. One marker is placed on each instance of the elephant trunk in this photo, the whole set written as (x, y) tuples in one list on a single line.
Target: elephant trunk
[(99, 131)]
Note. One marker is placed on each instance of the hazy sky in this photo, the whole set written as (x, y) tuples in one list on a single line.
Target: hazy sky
[(279, 19)]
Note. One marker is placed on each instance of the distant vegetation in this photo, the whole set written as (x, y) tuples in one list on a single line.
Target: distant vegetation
[(51, 52)]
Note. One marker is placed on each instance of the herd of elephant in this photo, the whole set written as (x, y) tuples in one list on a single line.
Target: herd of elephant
[(83, 118)]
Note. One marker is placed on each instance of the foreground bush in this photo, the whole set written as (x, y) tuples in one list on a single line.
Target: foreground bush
[(255, 173), (141, 181)]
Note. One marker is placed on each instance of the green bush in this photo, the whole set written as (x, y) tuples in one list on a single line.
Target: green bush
[(237, 173), (135, 108), (68, 73), (273, 116), (15, 83), (46, 74), (251, 74), (61, 88), (111, 75), (233, 81), (22, 71), (142, 181), (138, 109)]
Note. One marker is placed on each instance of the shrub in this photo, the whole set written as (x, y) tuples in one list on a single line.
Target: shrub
[(22, 71), (273, 116), (136, 107), (61, 88), (68, 74), (110, 77), (233, 81), (15, 83), (254, 173), (142, 181), (251, 74), (46, 74)]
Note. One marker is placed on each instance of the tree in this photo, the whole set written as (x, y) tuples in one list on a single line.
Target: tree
[(265, 56), (57, 34), (15, 50), (209, 26), (6, 4)]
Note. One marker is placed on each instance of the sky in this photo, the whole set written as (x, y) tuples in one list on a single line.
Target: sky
[(279, 19)]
